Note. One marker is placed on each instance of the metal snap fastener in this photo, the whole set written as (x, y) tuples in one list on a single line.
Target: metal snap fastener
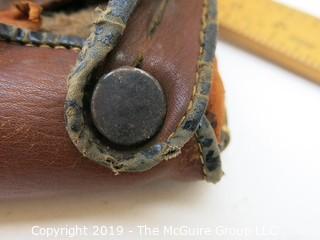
[(128, 106)]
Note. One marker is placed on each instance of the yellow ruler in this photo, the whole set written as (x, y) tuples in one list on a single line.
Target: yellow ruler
[(279, 33)]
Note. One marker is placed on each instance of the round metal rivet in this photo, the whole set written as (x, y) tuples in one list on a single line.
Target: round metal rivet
[(128, 106)]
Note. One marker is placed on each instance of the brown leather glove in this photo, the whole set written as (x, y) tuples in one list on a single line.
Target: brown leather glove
[(36, 154)]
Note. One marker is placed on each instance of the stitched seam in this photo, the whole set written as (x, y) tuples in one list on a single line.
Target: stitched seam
[(157, 18), (22, 36), (200, 150), (28, 44), (204, 23), (75, 49)]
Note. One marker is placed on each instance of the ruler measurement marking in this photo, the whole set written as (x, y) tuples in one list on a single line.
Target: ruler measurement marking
[(282, 34)]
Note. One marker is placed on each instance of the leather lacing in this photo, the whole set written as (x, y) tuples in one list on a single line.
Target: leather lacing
[(175, 142)]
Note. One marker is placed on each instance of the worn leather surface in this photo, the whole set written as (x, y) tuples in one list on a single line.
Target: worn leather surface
[(36, 155), (170, 54)]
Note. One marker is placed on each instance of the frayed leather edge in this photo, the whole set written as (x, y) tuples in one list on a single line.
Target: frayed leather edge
[(39, 39), (144, 159), (209, 152), (189, 123)]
